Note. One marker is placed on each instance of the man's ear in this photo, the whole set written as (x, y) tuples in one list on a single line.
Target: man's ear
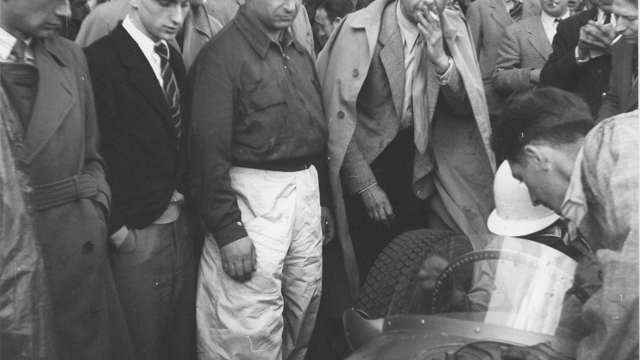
[(536, 154)]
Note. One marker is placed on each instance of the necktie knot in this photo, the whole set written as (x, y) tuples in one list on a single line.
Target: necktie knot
[(19, 51), (162, 50)]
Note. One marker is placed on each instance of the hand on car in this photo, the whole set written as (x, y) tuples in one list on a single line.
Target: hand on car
[(239, 259), (378, 205)]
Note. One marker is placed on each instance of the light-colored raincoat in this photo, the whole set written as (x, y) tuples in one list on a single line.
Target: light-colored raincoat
[(465, 164), (25, 308)]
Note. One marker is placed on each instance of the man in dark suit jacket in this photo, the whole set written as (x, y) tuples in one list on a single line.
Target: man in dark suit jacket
[(54, 136), (586, 77), (138, 81)]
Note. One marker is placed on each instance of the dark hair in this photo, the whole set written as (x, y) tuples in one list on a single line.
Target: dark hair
[(336, 8), (544, 114)]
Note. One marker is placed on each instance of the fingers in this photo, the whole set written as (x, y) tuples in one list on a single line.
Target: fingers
[(239, 259), (233, 269), (387, 211), (247, 267), (596, 35), (428, 24), (241, 268)]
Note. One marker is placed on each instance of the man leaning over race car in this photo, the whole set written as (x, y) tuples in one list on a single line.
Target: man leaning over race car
[(514, 216), (589, 176)]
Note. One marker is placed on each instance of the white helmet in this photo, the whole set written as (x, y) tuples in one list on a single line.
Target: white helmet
[(515, 214)]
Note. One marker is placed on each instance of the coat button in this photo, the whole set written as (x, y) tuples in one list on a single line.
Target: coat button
[(355, 73), (87, 247), (604, 94), (340, 114)]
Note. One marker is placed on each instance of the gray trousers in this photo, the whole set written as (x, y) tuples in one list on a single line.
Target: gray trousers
[(154, 270)]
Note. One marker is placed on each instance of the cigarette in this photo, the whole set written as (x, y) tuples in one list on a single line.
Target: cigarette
[(616, 39)]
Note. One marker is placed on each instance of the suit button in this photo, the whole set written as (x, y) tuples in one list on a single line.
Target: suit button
[(355, 73), (604, 94), (87, 247), (340, 114)]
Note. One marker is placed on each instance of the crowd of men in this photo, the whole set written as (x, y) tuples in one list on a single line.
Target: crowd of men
[(213, 179)]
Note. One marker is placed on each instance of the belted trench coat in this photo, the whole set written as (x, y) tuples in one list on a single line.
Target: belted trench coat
[(465, 163)]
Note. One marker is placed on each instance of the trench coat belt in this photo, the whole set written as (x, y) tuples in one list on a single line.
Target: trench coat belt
[(62, 192)]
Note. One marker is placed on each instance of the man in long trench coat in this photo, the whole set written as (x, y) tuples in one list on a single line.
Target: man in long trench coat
[(463, 163), (55, 144)]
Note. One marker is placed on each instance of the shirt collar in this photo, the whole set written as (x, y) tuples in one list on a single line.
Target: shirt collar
[(574, 205), (7, 42), (144, 42), (408, 30), (601, 15), (548, 19), (256, 35)]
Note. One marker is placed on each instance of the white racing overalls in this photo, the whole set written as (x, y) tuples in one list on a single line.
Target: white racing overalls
[(272, 315)]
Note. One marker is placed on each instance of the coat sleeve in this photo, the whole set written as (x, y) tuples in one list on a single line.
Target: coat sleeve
[(609, 106), (94, 163), (509, 76), (356, 172), (561, 67), (212, 114)]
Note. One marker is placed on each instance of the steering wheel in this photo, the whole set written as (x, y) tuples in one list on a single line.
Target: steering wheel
[(437, 301)]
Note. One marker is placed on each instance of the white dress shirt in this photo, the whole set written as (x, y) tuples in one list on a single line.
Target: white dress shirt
[(146, 45), (550, 24), (7, 42)]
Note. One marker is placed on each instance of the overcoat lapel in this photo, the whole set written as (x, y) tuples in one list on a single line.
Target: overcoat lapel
[(538, 38), (499, 14), (49, 110), (392, 56)]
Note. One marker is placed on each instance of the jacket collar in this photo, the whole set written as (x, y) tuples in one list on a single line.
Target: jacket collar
[(61, 56), (56, 94), (256, 35), (537, 36), (139, 70), (500, 13)]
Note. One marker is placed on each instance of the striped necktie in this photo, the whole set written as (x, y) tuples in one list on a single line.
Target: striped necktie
[(170, 88)]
